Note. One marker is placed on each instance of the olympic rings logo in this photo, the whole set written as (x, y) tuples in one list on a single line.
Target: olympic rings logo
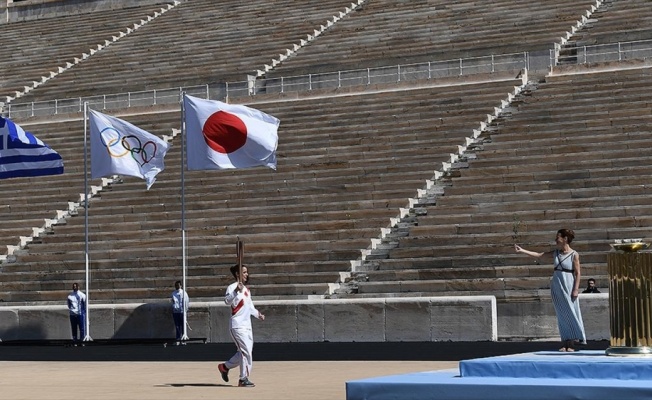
[(119, 146)]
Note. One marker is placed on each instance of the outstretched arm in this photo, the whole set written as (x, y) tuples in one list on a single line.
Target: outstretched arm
[(519, 249)]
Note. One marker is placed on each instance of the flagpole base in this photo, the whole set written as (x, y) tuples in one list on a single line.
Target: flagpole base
[(87, 338)]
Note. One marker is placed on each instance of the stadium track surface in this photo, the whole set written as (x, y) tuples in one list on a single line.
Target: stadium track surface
[(146, 370)]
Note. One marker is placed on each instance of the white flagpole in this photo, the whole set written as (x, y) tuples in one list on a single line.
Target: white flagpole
[(87, 323), (183, 213)]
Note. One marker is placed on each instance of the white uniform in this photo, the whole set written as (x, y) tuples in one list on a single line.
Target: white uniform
[(242, 309), (180, 302), (77, 311), (76, 303)]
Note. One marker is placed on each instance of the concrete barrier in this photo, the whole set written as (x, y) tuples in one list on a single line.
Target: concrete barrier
[(471, 318), (537, 320)]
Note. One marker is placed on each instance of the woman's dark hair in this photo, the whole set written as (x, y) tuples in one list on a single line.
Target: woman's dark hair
[(235, 270), (567, 233)]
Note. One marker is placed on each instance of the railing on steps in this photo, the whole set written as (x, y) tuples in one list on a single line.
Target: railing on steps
[(620, 51), (222, 91), (608, 52)]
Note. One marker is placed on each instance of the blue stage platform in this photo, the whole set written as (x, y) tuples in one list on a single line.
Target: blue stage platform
[(589, 375)]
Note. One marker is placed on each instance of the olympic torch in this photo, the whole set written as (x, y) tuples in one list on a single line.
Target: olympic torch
[(239, 248)]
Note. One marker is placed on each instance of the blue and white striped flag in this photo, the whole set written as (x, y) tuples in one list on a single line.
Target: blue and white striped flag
[(24, 155)]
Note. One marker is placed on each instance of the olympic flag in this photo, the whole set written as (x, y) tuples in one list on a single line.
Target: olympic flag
[(23, 154), (226, 136), (120, 148)]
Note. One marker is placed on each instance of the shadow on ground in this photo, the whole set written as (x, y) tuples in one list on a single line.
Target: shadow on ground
[(160, 350)]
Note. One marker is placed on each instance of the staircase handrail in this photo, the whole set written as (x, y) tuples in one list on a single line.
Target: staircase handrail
[(253, 86)]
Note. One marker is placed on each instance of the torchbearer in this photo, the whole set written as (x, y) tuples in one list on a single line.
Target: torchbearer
[(238, 297)]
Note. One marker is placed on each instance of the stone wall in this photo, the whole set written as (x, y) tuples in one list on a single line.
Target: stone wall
[(529, 320), (421, 319)]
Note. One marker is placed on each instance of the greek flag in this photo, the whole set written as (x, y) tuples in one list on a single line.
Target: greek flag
[(24, 155)]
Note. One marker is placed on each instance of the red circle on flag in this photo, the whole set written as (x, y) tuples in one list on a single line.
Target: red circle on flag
[(224, 132)]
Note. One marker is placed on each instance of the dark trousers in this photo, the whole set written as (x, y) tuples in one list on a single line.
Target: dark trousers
[(178, 324), (77, 321)]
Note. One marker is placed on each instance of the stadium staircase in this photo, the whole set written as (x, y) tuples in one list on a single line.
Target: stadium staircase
[(38, 52), (348, 166), (626, 22), (198, 42), (386, 32), (334, 190), (573, 153)]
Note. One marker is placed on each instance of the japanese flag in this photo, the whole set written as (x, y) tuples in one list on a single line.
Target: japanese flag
[(226, 136)]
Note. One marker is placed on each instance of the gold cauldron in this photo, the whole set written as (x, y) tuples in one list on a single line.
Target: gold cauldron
[(630, 298), (629, 245)]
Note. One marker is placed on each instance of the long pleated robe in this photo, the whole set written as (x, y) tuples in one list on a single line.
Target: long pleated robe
[(569, 316)]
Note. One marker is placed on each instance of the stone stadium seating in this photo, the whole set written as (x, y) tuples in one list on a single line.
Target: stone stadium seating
[(616, 21), (388, 32), (622, 28), (345, 168), (157, 56), (33, 49), (198, 42), (573, 154), (348, 163)]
